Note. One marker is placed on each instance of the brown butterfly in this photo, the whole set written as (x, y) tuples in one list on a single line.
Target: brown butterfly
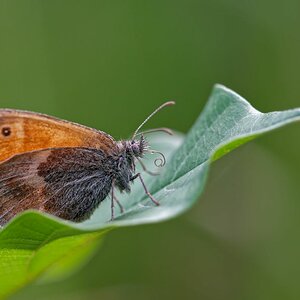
[(64, 168)]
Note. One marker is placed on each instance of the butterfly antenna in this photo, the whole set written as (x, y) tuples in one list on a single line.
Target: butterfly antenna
[(169, 103), (165, 130)]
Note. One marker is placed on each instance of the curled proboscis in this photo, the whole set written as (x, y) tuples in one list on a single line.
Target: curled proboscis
[(160, 161)]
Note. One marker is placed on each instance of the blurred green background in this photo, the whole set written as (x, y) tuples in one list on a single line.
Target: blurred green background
[(108, 64)]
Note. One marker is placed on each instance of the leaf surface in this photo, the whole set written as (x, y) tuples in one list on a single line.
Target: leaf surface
[(35, 244)]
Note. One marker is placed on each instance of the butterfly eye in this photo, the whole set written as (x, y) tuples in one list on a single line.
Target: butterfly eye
[(6, 131)]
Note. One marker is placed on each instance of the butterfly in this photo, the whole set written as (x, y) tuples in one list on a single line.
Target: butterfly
[(63, 168)]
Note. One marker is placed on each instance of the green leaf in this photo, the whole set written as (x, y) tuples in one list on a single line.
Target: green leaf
[(35, 244)]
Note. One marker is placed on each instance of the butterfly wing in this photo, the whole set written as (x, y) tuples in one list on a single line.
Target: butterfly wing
[(22, 131), (66, 182)]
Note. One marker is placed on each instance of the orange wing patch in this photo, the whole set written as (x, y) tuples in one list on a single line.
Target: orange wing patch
[(22, 131)]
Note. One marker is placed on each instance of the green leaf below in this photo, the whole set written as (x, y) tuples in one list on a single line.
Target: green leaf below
[(33, 244)]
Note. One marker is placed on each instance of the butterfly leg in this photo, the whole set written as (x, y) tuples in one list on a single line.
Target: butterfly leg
[(138, 175), (112, 203), (119, 203), (145, 168)]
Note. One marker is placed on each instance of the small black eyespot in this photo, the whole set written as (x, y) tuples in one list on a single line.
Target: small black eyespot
[(6, 131), (132, 142)]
